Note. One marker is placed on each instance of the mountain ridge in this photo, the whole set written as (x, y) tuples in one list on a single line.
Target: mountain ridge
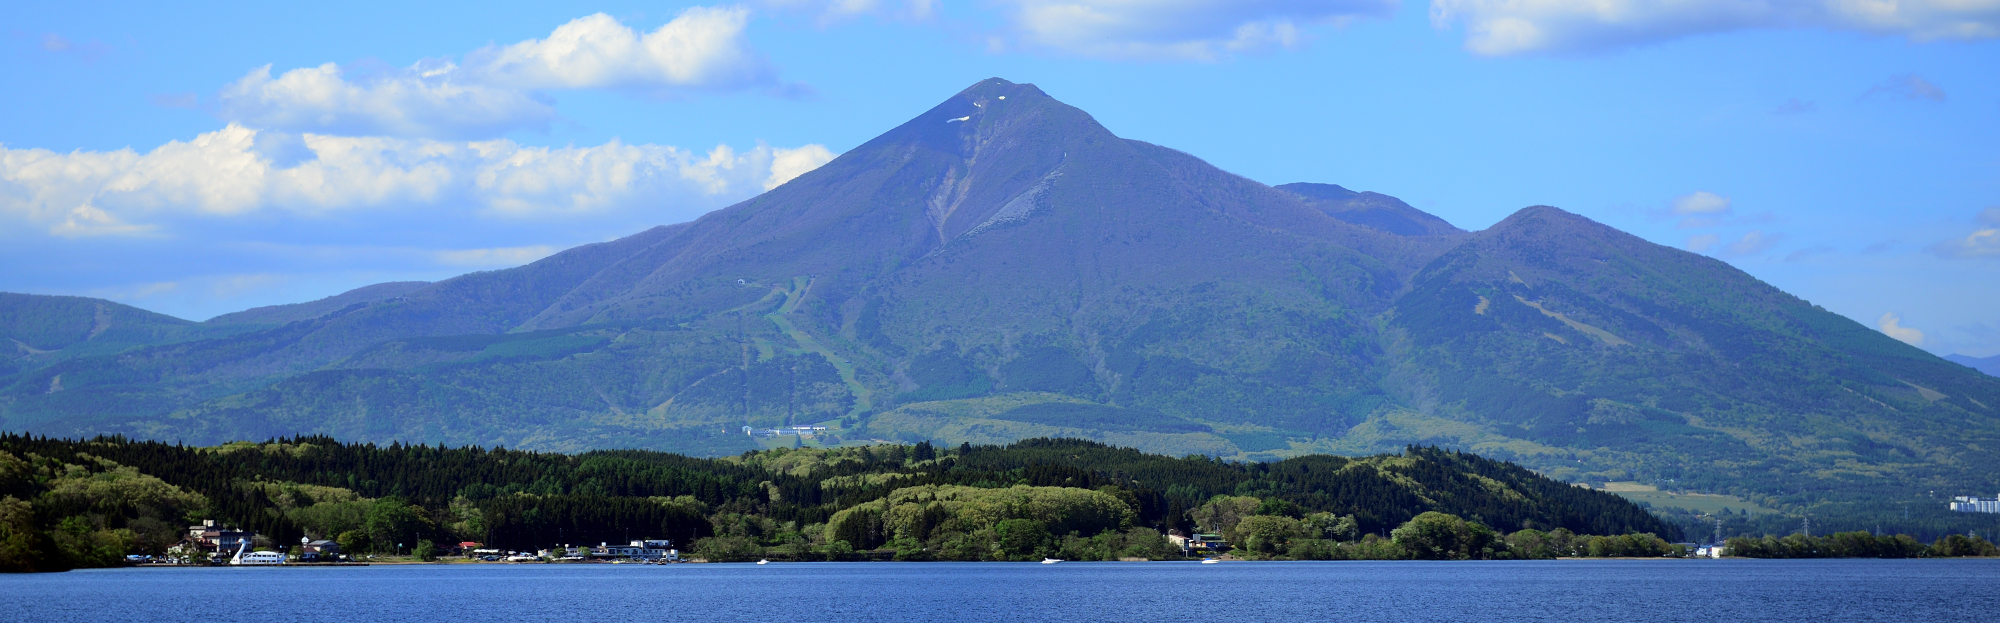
[(1002, 250)]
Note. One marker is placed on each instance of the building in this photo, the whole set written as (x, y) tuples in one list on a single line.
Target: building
[(1198, 544), (318, 551), (649, 549), (801, 431), (213, 537), (1969, 504)]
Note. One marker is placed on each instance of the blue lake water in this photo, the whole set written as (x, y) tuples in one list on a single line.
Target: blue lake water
[(1820, 591)]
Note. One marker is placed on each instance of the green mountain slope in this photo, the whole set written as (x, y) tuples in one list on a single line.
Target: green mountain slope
[(1659, 364), (282, 314), (37, 331), (1002, 267)]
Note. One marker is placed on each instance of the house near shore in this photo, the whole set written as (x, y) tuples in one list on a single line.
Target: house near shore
[(321, 550), (1198, 543)]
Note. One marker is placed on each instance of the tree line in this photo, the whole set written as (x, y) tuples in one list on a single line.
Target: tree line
[(77, 503)]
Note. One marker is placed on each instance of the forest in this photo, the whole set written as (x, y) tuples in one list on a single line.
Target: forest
[(70, 503)]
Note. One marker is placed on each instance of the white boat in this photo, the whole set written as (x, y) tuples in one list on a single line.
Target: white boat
[(1051, 561), (1211, 561), (260, 557), (764, 561)]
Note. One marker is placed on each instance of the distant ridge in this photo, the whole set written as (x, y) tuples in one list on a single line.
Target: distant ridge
[(1988, 365), (281, 314)]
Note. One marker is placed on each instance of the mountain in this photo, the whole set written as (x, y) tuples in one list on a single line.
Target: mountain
[(1003, 267), (283, 314), (37, 331), (1989, 365), (1372, 209)]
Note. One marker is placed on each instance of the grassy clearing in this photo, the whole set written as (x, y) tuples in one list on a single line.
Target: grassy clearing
[(1697, 502), (863, 397)]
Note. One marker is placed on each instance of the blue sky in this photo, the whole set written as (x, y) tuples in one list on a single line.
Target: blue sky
[(201, 160)]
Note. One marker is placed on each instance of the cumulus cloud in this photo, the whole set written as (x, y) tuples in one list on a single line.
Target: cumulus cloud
[(238, 170), (1200, 30), (502, 88), (1503, 27), (1906, 86), (1892, 325), (790, 163), (1983, 242)]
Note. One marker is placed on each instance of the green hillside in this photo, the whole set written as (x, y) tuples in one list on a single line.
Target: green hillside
[(87, 503), (1003, 267)]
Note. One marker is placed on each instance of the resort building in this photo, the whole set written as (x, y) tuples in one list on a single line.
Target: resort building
[(1968, 504), (213, 537), (648, 549)]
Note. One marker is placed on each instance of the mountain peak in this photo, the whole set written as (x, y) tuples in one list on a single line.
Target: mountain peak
[(1543, 220), (996, 88)]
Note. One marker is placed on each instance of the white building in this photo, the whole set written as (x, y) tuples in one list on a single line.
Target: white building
[(1969, 504), (649, 549)]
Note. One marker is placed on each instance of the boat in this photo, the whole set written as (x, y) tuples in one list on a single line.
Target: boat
[(1211, 561), (260, 557), (764, 561), (1051, 561)]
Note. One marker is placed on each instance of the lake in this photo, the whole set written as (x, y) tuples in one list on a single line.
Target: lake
[(1820, 591)]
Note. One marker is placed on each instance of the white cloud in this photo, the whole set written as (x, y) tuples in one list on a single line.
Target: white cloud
[(1701, 202), (1752, 243), (400, 103), (1201, 30), (1700, 209), (502, 88), (1983, 242), (702, 48), (86, 220), (1501, 27), (1907, 86), (789, 163), (1702, 243), (1892, 325), (237, 170)]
